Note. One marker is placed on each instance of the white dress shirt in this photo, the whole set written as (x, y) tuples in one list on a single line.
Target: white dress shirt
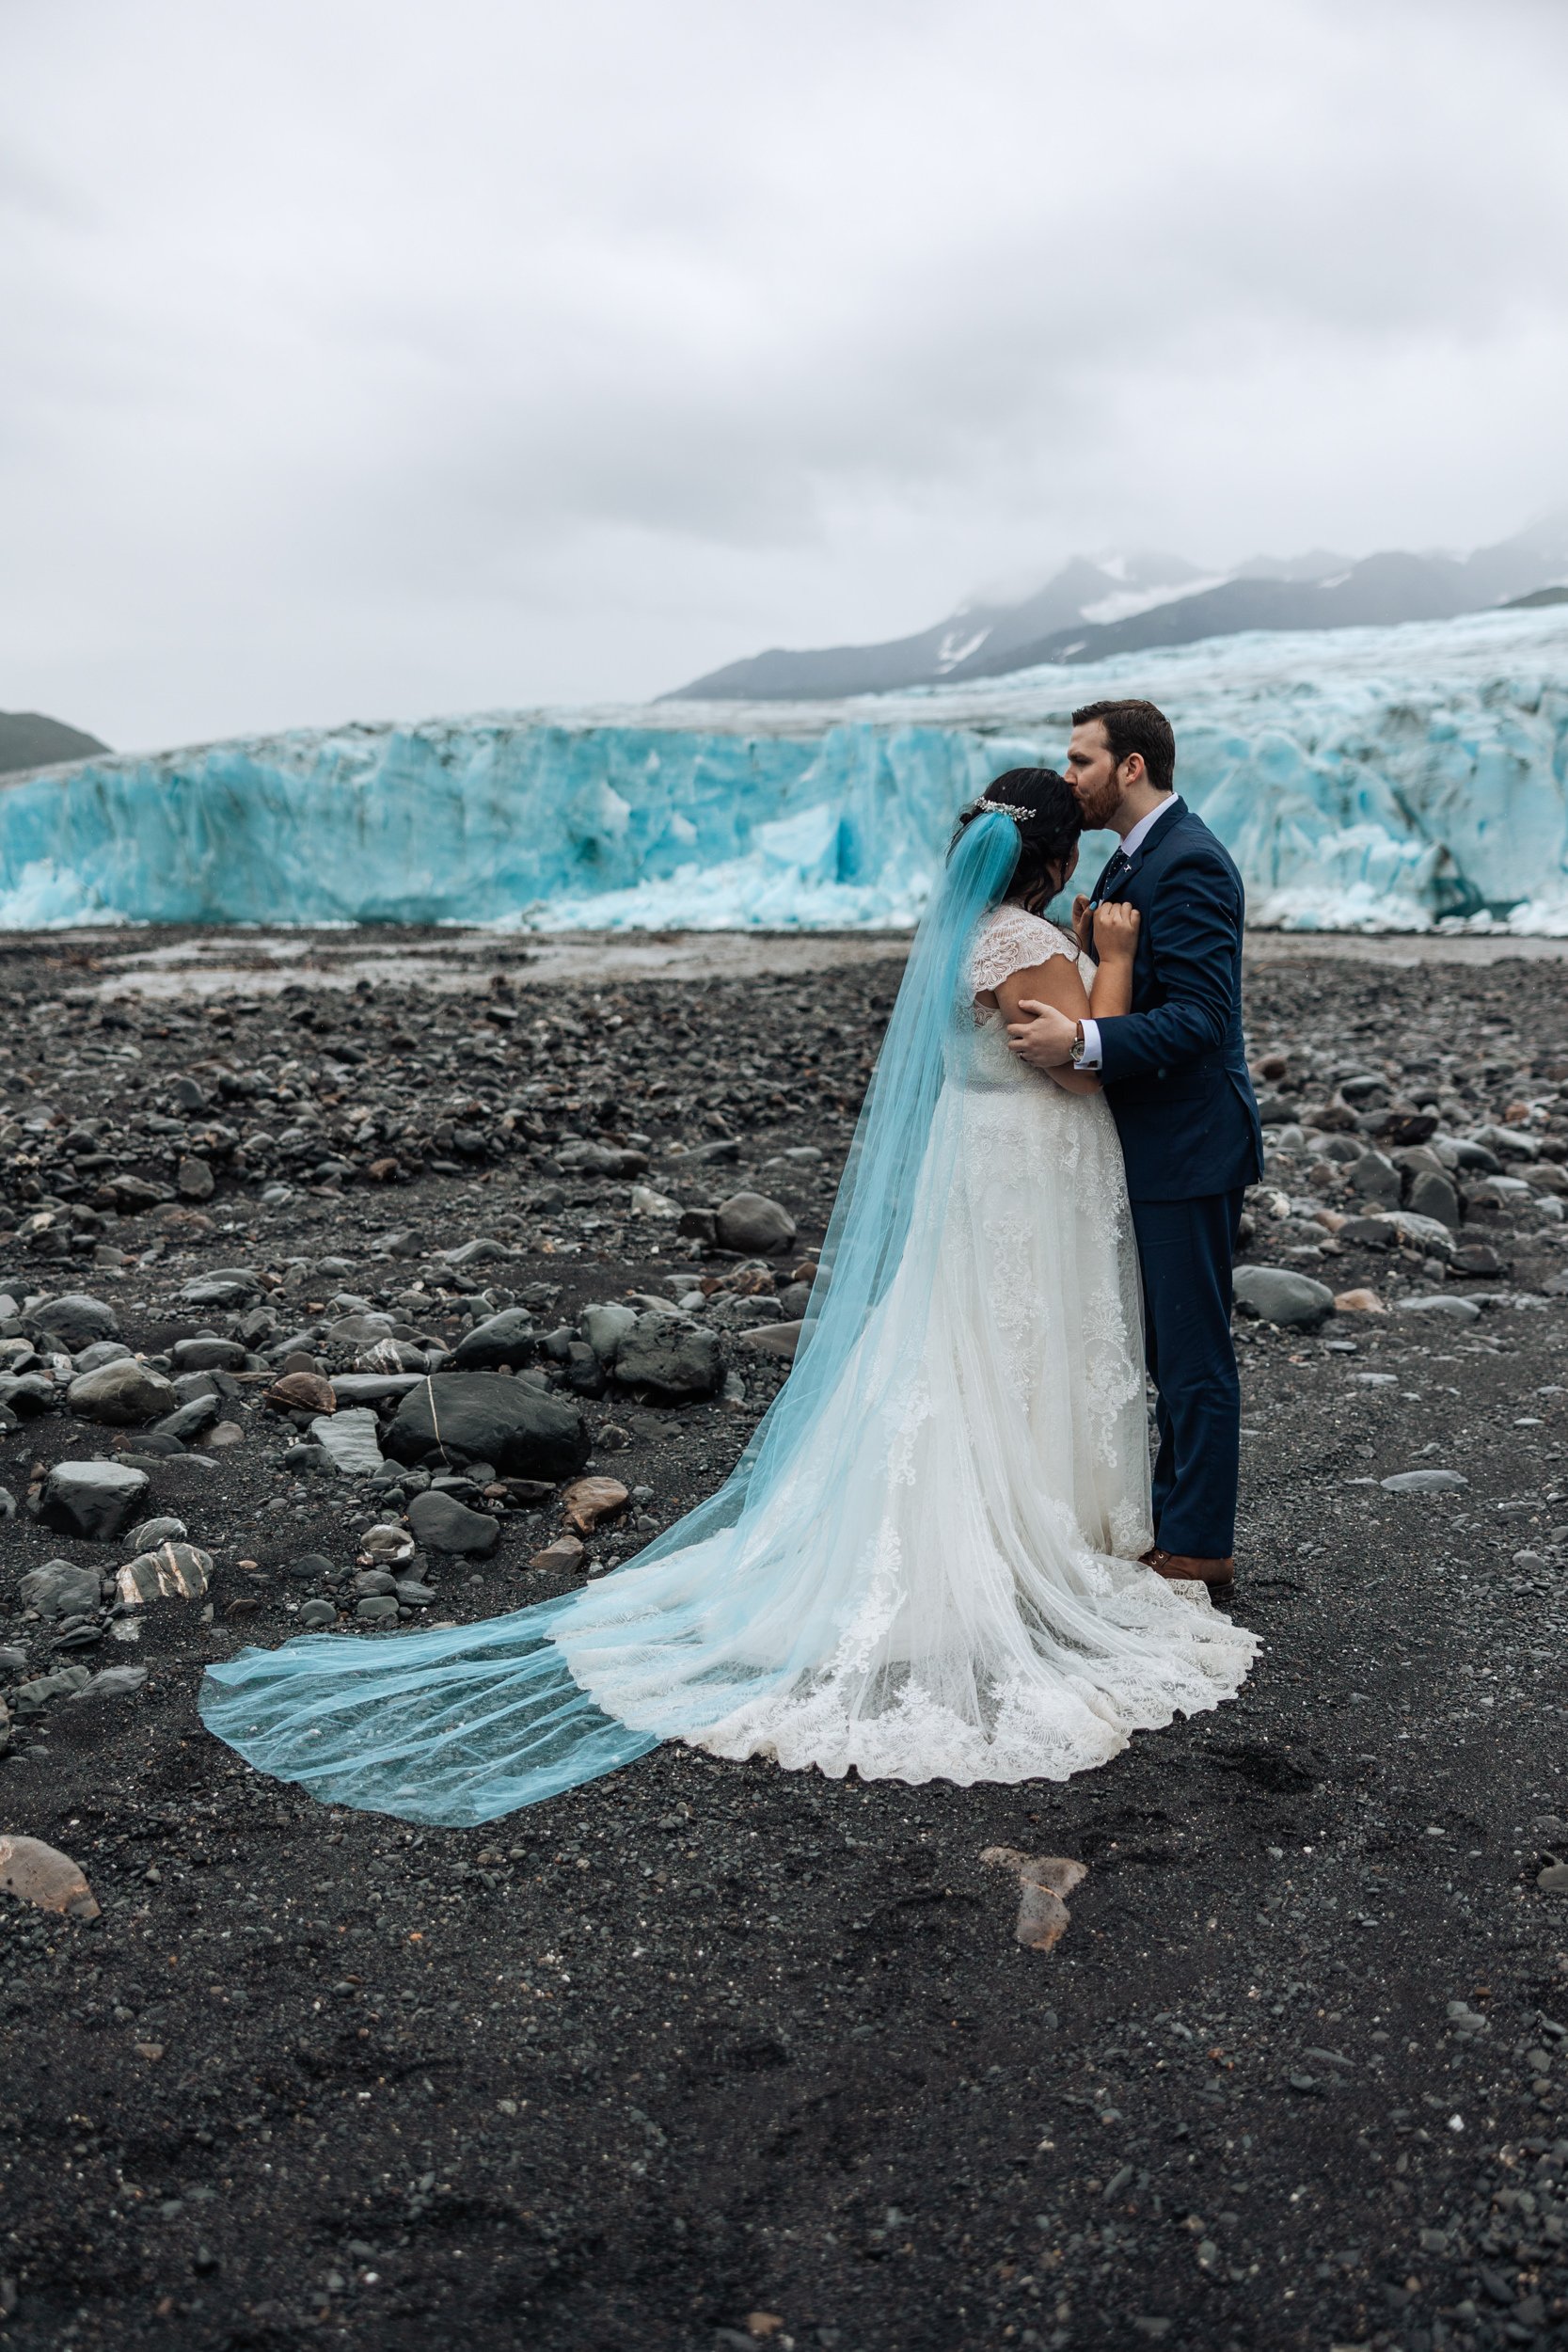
[(1089, 1059)]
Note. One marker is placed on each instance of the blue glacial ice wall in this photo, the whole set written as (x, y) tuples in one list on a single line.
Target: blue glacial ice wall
[(1363, 779)]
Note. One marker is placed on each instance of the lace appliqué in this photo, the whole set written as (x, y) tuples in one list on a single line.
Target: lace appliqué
[(1012, 940)]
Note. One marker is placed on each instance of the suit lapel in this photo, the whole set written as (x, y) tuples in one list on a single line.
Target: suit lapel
[(1152, 841)]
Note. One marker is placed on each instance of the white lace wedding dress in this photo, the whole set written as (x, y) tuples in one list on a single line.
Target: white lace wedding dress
[(963, 1596)]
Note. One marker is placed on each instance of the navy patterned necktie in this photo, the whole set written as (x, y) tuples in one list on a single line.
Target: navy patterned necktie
[(1121, 864)]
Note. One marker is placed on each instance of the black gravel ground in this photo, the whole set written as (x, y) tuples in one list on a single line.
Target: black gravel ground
[(712, 2055)]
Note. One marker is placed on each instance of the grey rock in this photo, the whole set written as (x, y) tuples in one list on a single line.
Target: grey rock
[(8, 1503), (441, 1523), (721, 1147), (121, 1394), (28, 1393), (188, 1385), (101, 1352), (773, 1339), (1434, 1194), (461, 1417), (317, 1612), (94, 1500), (225, 1286), (189, 1421), (372, 1388), (744, 1314), (414, 1595), (207, 1353), (350, 1438), (376, 1607), (1387, 1229), (73, 1321), (1424, 1481), (61, 1589), (504, 1339), (469, 1253), (749, 1221), (670, 1357), (1374, 1178), (31, 1698), (154, 1532), (113, 1683), (600, 1159), (1294, 1301), (1440, 1306), (194, 1179), (604, 1326), (13, 1659)]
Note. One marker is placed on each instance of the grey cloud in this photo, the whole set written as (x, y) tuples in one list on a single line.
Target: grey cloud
[(388, 359)]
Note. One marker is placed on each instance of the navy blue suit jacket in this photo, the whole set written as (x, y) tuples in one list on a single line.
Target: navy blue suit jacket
[(1174, 1069)]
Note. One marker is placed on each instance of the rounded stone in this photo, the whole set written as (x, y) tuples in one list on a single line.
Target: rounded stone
[(120, 1393), (1279, 1295), (749, 1221)]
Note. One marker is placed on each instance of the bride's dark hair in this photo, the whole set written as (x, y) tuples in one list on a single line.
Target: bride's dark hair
[(1047, 823)]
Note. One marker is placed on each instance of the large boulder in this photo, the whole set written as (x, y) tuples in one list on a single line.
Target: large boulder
[(670, 1357), (121, 1393), (749, 1221), (1278, 1294), (74, 1321), (441, 1523), (504, 1339), (97, 1501), (464, 1417)]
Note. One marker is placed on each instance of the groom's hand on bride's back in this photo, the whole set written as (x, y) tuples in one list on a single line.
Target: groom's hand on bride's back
[(1045, 1039)]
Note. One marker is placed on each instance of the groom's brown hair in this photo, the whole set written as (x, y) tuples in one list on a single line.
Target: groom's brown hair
[(1137, 726)]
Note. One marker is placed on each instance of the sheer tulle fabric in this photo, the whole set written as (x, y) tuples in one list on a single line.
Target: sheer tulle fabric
[(923, 1565)]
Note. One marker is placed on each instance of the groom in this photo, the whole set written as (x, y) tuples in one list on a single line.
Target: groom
[(1175, 1077)]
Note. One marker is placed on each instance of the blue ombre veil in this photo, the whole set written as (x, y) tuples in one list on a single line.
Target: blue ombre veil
[(744, 1595)]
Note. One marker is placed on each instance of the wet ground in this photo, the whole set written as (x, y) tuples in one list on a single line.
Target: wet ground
[(711, 2054)]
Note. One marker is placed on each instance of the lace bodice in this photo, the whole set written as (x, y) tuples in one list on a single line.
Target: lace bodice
[(1012, 940)]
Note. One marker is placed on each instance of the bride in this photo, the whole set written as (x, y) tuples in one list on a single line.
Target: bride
[(925, 1564)]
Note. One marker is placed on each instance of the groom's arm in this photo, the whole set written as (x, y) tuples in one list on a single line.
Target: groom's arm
[(1191, 931)]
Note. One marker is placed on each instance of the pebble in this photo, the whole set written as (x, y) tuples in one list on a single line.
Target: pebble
[(317, 1612), (565, 1553), (1424, 1481)]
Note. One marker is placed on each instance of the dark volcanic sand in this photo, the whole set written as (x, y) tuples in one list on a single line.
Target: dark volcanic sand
[(708, 2054)]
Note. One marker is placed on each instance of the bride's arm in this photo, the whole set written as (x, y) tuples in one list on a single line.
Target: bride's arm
[(1054, 982), (1115, 943)]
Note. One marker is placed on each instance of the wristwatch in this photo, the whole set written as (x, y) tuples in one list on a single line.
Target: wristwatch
[(1077, 1043)]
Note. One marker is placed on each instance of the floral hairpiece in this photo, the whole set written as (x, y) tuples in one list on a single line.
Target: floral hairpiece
[(1000, 808)]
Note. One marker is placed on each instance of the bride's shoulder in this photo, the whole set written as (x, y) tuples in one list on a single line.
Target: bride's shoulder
[(1010, 939), (1015, 927)]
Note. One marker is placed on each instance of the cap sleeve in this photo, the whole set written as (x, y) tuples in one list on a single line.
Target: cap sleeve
[(1011, 940)]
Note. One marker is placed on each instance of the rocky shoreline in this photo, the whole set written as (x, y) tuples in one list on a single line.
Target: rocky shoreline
[(708, 2054)]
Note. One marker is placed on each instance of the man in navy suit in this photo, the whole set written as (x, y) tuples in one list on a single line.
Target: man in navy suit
[(1175, 1076)]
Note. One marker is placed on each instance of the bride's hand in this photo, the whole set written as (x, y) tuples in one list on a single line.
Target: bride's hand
[(1116, 930), (1083, 924)]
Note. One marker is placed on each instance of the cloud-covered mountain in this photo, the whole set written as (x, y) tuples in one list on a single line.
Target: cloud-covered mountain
[(27, 740), (1094, 608)]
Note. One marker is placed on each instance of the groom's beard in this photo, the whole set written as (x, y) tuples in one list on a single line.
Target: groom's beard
[(1098, 804)]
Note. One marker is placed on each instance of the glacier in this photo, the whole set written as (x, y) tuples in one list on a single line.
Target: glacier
[(1390, 779)]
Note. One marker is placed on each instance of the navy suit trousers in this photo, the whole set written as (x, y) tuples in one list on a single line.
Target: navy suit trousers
[(1185, 1249)]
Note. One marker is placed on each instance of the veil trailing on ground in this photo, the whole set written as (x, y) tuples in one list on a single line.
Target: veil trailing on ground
[(760, 1585)]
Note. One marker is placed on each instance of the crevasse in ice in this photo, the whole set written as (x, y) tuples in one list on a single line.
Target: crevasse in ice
[(1364, 778)]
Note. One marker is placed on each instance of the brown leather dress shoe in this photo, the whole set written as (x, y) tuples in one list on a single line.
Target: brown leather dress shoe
[(1182, 1568)]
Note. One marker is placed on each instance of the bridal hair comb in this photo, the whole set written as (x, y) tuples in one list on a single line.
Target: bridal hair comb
[(1000, 808)]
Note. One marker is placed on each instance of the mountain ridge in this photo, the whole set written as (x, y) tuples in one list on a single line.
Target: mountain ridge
[(1093, 608)]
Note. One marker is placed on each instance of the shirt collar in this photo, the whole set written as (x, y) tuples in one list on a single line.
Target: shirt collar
[(1145, 826)]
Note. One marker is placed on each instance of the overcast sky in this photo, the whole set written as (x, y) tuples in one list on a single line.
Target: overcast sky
[(380, 357)]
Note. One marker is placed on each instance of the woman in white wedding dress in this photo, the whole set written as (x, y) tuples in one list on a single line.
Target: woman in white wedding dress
[(927, 1564)]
